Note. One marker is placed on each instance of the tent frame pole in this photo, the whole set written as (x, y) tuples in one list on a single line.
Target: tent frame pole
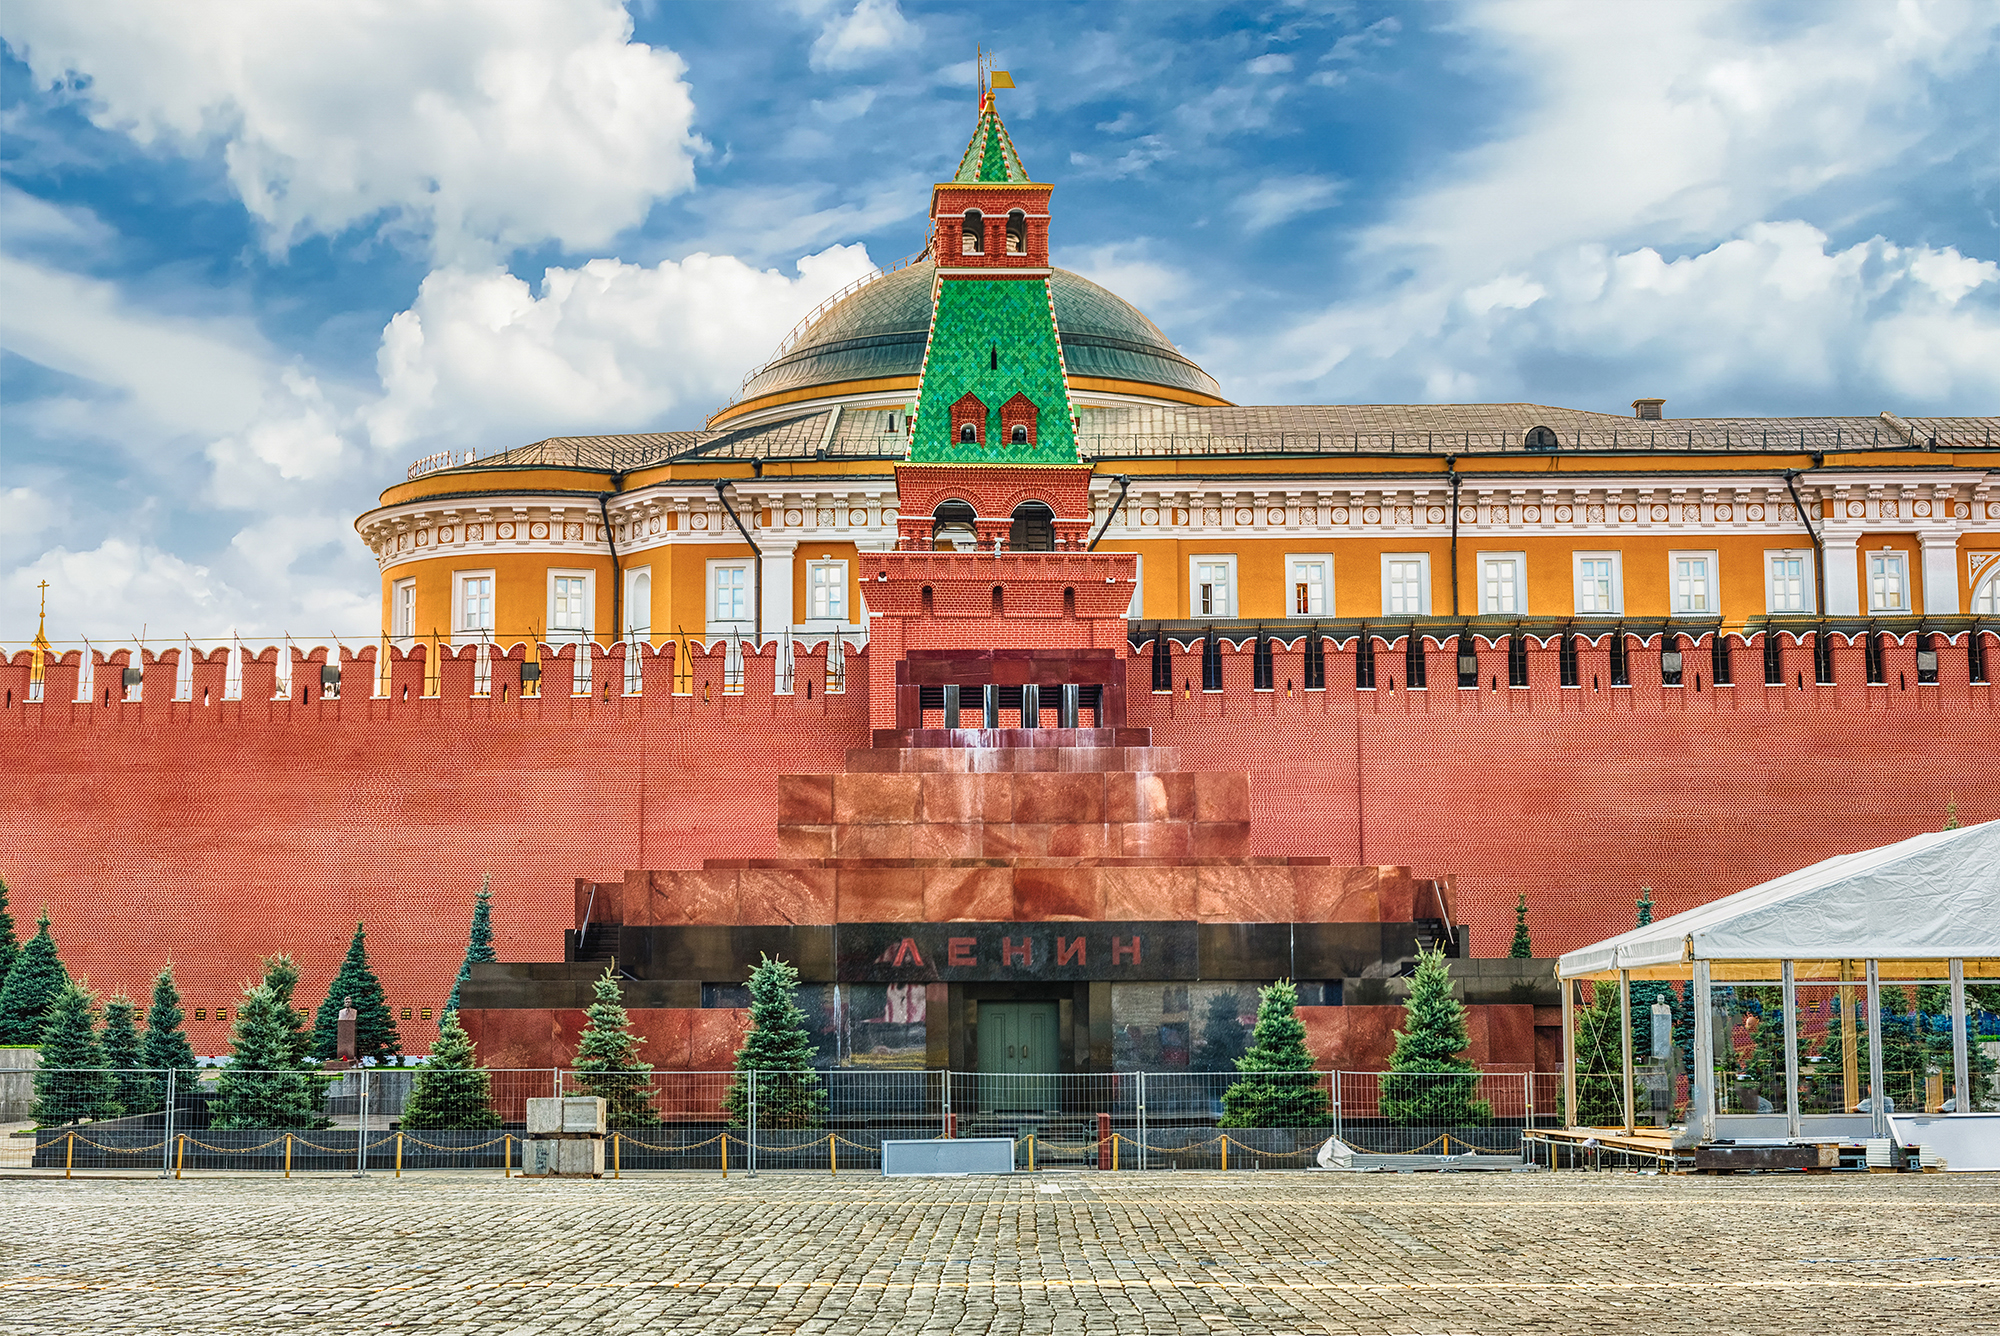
[(1878, 1104), (1790, 1001), (1704, 1053), (1850, 1045), (1961, 1084), (1625, 1043), (1569, 1052)]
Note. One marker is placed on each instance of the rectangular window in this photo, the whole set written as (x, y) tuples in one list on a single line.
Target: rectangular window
[(1621, 665), (568, 606), (728, 592), (1315, 668), (1310, 585), (472, 608), (1260, 665), (1503, 585), (1413, 663), (403, 609), (1788, 581), (1887, 589), (1406, 584), (1599, 584), (1212, 584), (1692, 584), (1566, 662), (826, 591)]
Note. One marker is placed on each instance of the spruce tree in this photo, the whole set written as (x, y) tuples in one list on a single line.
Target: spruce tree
[(260, 1087), (129, 1088), (165, 1047), (281, 976), (451, 1089), (1934, 1011), (1524, 945), (33, 985), (780, 1050), (1428, 1083), (1223, 1036), (1600, 1059), (71, 1084), (374, 1028), (1645, 992), (1278, 1086), (10, 945), (607, 1059), (478, 946)]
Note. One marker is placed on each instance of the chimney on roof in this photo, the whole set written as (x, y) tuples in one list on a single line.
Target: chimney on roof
[(1648, 410)]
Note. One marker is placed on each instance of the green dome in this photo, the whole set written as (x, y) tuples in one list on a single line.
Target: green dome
[(881, 331)]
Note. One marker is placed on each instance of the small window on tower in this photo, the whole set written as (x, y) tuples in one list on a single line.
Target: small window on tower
[(1018, 436), (967, 433), (1017, 233), (972, 234)]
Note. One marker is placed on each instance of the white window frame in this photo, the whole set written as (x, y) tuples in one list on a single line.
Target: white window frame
[(718, 624), (1227, 560), (1807, 579), (1294, 560), (1423, 560), (569, 633), (460, 633), (1617, 559), (1519, 561), (1711, 582), (1902, 560), (403, 612), (1135, 608), (839, 584), (643, 630)]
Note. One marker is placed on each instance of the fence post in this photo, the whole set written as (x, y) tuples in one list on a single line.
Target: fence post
[(1336, 1103), (288, 1155), (555, 1081), (180, 1154), (167, 1129), (361, 1128), (399, 1154), (1528, 1100), (832, 1155), (1142, 1120), (614, 1155), (507, 1155), (945, 1128), (69, 1160), (750, 1142)]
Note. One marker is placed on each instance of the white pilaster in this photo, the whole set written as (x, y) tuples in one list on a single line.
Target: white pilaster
[(777, 611), (1940, 559), (1843, 576)]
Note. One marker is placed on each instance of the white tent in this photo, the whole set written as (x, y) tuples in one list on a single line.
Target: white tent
[(1925, 907)]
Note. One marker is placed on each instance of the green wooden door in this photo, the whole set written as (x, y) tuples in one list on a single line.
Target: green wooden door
[(1017, 1055)]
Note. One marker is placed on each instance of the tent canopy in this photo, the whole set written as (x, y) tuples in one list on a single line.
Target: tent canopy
[(1934, 896)]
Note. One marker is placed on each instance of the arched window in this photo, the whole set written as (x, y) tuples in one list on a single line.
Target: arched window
[(967, 433), (999, 601), (1540, 438), (1017, 420), (1034, 528), (929, 600), (952, 528), (1018, 435), (972, 233), (1017, 232)]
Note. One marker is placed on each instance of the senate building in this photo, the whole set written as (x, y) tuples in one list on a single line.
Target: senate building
[(986, 660)]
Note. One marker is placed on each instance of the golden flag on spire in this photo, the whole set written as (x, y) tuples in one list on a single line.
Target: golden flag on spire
[(1002, 79)]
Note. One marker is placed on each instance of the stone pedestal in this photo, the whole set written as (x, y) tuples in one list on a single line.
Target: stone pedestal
[(564, 1138)]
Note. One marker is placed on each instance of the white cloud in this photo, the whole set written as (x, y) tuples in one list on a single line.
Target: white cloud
[(1283, 198), (470, 123), (482, 359), (1274, 63), (26, 221), (871, 31), (120, 586)]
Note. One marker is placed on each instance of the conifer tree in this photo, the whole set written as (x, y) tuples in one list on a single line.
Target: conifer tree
[(71, 1084), (260, 1087), (1277, 1086), (607, 1059), (374, 1028), (10, 945), (1223, 1038), (121, 1056), (165, 1046), (33, 985), (1645, 992), (451, 1089), (281, 976), (1524, 945), (780, 1050), (478, 946), (1600, 1059), (1431, 1041), (1934, 1014)]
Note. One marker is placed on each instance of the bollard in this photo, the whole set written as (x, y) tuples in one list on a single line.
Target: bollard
[(1031, 1152), (614, 1155), (725, 1154), (1225, 1154), (507, 1156), (832, 1157), (288, 1155), (399, 1154), (69, 1160), (180, 1153), (1104, 1150), (1114, 1153)]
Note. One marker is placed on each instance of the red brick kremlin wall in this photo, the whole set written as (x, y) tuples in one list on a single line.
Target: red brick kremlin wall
[(214, 833)]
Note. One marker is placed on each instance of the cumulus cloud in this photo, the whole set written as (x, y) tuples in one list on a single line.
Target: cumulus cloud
[(481, 358), (1281, 199), (873, 30), (474, 125)]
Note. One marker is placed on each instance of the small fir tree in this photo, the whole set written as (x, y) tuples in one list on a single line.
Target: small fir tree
[(1524, 945), (10, 945), (1223, 1036), (1645, 992), (1600, 1059), (261, 1087), (1951, 815), (780, 1050), (281, 976), (1278, 1086), (374, 1028), (478, 946), (71, 1084), (1428, 1083), (33, 985), (451, 1089), (121, 1055), (607, 1059), (165, 1046), (1934, 1013)]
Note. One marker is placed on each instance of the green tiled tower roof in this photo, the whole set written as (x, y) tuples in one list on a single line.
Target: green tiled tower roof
[(990, 156), (994, 338)]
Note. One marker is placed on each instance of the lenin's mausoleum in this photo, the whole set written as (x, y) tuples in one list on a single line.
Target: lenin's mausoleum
[(984, 660)]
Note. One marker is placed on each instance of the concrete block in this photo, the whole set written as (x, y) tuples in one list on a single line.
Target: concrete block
[(968, 1155), (583, 1113)]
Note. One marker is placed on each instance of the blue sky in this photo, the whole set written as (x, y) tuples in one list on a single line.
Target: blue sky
[(255, 259)]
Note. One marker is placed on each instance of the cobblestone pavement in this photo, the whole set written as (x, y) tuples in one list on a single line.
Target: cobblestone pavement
[(1155, 1253)]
